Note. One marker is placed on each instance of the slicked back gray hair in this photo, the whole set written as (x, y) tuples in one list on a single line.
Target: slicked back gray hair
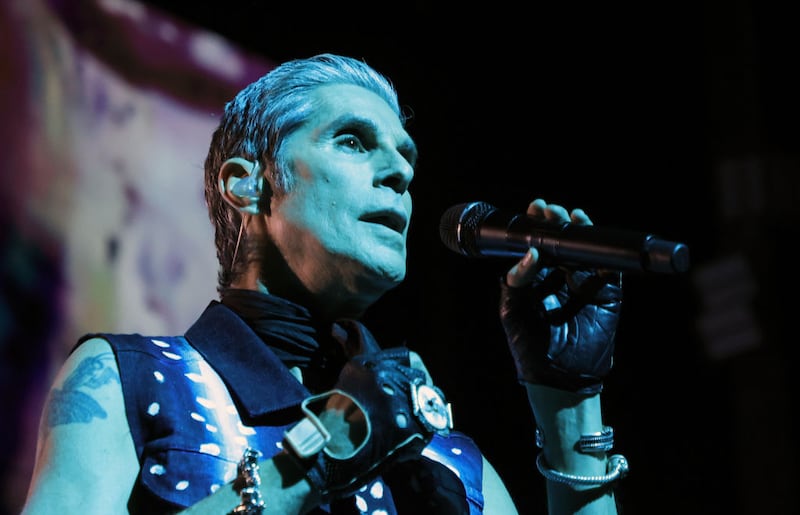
[(254, 126)]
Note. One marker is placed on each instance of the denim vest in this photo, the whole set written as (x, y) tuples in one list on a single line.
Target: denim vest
[(195, 402)]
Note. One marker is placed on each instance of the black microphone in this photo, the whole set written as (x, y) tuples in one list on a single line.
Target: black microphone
[(478, 229)]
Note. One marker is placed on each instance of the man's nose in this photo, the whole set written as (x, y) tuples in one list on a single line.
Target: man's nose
[(395, 173)]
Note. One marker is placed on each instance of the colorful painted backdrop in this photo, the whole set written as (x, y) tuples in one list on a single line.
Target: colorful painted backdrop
[(107, 111)]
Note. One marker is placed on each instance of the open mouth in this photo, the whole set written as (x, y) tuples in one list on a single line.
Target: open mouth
[(394, 220)]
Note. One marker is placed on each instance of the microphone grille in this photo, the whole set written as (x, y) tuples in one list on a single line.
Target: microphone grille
[(458, 227)]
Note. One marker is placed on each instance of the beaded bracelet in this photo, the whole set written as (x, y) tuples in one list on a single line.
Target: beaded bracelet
[(251, 501), (617, 468)]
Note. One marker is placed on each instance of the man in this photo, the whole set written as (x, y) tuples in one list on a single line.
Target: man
[(277, 399)]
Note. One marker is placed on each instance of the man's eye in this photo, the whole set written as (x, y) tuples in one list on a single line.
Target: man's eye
[(351, 142)]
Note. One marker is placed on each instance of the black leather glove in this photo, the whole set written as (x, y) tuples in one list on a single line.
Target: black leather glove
[(561, 329), (425, 486), (380, 412)]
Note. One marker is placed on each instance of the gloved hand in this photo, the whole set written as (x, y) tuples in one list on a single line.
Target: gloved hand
[(381, 411), (561, 329), (425, 486), (560, 325)]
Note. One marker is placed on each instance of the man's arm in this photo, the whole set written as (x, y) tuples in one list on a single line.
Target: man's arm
[(284, 489), (86, 461), (563, 417), (85, 457), (496, 498), (560, 325)]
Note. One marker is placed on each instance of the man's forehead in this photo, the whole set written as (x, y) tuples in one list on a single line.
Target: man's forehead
[(351, 98), (351, 104)]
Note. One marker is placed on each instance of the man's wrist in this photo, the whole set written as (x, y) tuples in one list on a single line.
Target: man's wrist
[(563, 420)]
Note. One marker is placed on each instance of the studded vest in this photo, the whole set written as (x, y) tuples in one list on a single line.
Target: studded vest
[(195, 402)]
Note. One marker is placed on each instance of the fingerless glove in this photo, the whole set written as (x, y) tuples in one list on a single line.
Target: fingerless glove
[(390, 413), (561, 329)]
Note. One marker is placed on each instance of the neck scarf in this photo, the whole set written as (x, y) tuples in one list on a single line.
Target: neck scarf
[(318, 349)]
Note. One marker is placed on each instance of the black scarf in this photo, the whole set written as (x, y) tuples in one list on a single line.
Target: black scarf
[(318, 349)]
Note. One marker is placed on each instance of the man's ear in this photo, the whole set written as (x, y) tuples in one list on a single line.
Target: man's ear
[(239, 182)]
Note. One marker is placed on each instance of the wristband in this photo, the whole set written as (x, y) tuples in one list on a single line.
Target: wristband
[(602, 441), (597, 442)]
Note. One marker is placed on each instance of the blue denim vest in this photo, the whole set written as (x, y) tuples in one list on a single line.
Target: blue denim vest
[(195, 402)]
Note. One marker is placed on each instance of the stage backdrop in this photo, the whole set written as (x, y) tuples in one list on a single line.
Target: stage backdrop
[(107, 110)]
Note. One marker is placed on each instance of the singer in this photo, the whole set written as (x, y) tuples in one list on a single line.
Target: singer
[(279, 399)]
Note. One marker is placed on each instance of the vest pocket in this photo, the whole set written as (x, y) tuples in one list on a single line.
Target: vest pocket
[(184, 477)]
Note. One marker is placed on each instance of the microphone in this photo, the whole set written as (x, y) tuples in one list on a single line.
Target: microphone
[(478, 229)]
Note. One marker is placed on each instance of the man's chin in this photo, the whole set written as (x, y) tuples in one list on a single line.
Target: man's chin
[(385, 278)]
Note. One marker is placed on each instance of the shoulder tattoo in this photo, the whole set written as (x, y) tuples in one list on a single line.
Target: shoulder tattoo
[(74, 401)]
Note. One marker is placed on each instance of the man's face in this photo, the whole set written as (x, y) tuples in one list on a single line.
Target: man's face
[(342, 226)]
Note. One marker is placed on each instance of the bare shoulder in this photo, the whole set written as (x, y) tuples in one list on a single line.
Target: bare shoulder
[(85, 389), (83, 434)]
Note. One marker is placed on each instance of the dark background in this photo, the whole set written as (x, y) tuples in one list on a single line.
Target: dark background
[(679, 119), (676, 118)]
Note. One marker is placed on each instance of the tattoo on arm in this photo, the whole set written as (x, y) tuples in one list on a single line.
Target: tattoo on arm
[(70, 404)]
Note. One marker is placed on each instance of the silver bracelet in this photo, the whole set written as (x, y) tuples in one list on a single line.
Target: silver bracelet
[(597, 442), (250, 481), (617, 468), (602, 441)]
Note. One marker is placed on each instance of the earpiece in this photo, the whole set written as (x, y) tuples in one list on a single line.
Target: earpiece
[(247, 187), (243, 176)]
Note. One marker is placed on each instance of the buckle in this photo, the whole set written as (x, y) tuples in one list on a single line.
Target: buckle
[(430, 408), (307, 437)]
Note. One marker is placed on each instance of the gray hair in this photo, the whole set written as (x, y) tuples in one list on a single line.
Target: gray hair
[(257, 121)]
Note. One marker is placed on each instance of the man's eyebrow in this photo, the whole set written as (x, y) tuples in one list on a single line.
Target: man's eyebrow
[(407, 147), (350, 119)]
